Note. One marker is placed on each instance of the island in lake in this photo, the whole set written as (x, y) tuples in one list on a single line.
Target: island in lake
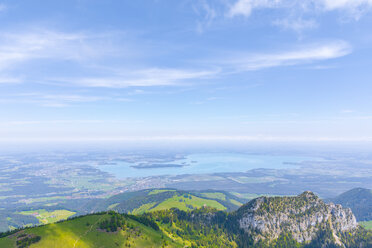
[(153, 166)]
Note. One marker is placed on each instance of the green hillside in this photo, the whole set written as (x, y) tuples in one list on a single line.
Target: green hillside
[(46, 217), (85, 232), (115, 230), (263, 223), (137, 202), (160, 199)]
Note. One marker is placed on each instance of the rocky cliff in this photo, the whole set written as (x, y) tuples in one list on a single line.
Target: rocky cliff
[(303, 216)]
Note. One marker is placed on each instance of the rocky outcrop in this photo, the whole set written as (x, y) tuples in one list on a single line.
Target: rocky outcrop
[(302, 216)]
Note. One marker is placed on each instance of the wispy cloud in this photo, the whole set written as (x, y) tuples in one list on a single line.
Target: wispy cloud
[(236, 63), (76, 121), (207, 13), (354, 9), (185, 138), (347, 111), (246, 7), (65, 100), (59, 100), (24, 46), (297, 25), (345, 4), (91, 54), (307, 54), (143, 78), (15, 47), (92, 59), (9, 80)]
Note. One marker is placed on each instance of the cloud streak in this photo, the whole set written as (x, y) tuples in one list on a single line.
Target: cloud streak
[(146, 78), (345, 4), (251, 62), (297, 25), (59, 100), (90, 54), (96, 72), (246, 7), (186, 138), (10, 80)]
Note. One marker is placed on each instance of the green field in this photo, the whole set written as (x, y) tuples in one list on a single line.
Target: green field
[(84, 233), (366, 224), (215, 195), (185, 202), (46, 217), (235, 202)]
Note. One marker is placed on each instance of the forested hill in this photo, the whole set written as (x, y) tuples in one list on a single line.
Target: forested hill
[(360, 202), (301, 221), (136, 202), (142, 201)]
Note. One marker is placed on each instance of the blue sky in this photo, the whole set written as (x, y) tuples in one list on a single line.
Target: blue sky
[(255, 70)]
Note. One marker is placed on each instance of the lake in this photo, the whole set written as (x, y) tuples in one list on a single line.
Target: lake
[(203, 163)]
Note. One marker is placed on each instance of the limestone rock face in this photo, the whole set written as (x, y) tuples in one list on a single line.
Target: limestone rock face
[(302, 216)]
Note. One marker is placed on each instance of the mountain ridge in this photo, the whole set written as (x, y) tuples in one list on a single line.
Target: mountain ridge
[(298, 221)]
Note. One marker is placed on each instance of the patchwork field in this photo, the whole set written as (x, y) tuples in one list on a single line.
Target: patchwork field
[(187, 202), (46, 217)]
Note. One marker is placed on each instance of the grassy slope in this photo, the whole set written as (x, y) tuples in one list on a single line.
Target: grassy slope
[(46, 217), (366, 224), (216, 195), (82, 232), (132, 202), (235, 202), (181, 203), (144, 208), (6, 242)]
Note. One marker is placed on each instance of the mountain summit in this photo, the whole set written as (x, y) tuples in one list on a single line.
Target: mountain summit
[(302, 217)]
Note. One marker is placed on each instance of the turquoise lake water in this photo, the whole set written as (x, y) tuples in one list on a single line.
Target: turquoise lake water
[(202, 163)]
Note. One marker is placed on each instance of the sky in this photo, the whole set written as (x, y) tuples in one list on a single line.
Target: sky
[(185, 70)]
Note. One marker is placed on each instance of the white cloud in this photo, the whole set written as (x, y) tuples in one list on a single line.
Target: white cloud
[(90, 52), (347, 111), (297, 25), (56, 100), (9, 80), (18, 47), (208, 14), (245, 7), (143, 78), (344, 4), (303, 55)]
